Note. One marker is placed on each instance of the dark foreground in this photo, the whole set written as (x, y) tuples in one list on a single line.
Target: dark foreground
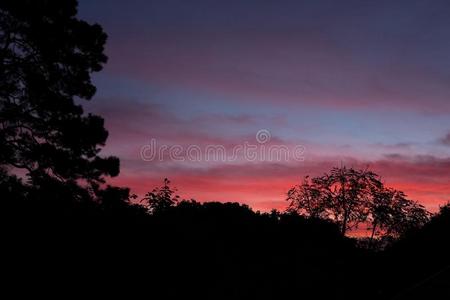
[(215, 251)]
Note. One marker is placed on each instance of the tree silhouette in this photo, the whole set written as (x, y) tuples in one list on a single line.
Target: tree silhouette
[(46, 58), (161, 198), (350, 197)]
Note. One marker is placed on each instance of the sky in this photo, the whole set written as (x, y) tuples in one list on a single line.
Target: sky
[(355, 83)]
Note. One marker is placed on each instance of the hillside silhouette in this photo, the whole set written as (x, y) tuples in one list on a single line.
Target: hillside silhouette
[(66, 232)]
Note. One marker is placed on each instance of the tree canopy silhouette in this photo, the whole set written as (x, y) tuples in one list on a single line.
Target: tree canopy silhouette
[(47, 56), (350, 197)]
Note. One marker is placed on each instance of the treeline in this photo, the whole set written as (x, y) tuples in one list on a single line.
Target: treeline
[(182, 248)]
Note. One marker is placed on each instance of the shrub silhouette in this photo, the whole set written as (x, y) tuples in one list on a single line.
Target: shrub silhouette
[(161, 199)]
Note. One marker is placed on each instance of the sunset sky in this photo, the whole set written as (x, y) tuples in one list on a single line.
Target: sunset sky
[(360, 83)]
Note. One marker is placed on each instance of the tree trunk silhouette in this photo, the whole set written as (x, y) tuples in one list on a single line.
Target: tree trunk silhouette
[(344, 223), (373, 234)]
